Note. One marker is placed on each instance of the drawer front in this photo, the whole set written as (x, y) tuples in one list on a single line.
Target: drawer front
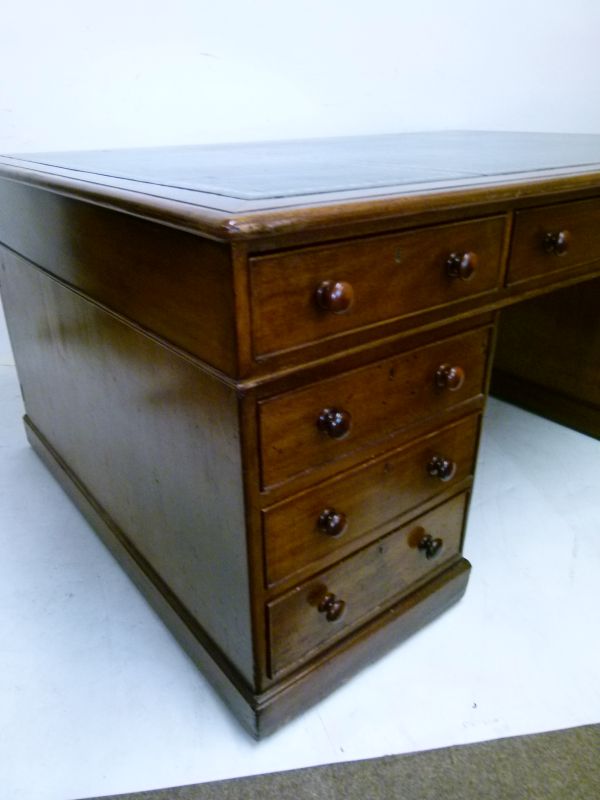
[(554, 238), (314, 524), (323, 422), (295, 300), (322, 610)]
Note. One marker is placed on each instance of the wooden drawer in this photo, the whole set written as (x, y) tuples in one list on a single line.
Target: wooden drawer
[(553, 239), (316, 523), (301, 621), (390, 277), (301, 430)]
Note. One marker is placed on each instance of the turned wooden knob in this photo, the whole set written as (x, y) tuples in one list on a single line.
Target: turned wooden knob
[(332, 607), (332, 522), (442, 468), (334, 296), (461, 265), (557, 242), (430, 546), (334, 422), (449, 377)]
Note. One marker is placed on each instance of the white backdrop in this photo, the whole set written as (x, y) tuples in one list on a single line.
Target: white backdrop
[(141, 72)]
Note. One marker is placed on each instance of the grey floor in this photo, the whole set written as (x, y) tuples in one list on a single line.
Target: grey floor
[(96, 698), (543, 766)]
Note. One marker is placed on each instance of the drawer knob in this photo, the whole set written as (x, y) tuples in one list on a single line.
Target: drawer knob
[(449, 377), (332, 522), (442, 468), (461, 266), (430, 546), (557, 242), (335, 296), (334, 422), (332, 607)]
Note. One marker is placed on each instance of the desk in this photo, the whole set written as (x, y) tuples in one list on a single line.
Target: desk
[(260, 370)]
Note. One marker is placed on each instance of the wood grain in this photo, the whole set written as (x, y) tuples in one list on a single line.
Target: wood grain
[(330, 670), (390, 277), (155, 438), (370, 497), (473, 169), (366, 582), (561, 381), (530, 255), (382, 399), (176, 285), (251, 379)]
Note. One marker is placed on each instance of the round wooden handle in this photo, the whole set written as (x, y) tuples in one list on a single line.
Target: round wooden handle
[(332, 522), (334, 296), (449, 377), (334, 422), (332, 607), (442, 468), (461, 265), (430, 546), (557, 242)]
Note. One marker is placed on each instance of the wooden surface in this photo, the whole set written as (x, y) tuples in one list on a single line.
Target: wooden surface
[(325, 674), (371, 497), (154, 438), (261, 714), (381, 400), (177, 286), (203, 299), (366, 582), (260, 369), (561, 381), (474, 169), (391, 276), (580, 225)]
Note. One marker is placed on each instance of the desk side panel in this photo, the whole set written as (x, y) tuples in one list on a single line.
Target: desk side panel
[(150, 436), (174, 284)]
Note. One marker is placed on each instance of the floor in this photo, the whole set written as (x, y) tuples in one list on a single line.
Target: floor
[(541, 766), (96, 698)]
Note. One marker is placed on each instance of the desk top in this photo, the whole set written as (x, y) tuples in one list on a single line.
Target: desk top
[(244, 190)]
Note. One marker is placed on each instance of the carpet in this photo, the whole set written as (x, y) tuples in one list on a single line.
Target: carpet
[(560, 765)]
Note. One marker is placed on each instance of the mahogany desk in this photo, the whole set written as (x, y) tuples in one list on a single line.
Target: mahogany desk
[(259, 370)]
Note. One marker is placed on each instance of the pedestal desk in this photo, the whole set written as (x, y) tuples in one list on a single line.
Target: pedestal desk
[(259, 370)]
